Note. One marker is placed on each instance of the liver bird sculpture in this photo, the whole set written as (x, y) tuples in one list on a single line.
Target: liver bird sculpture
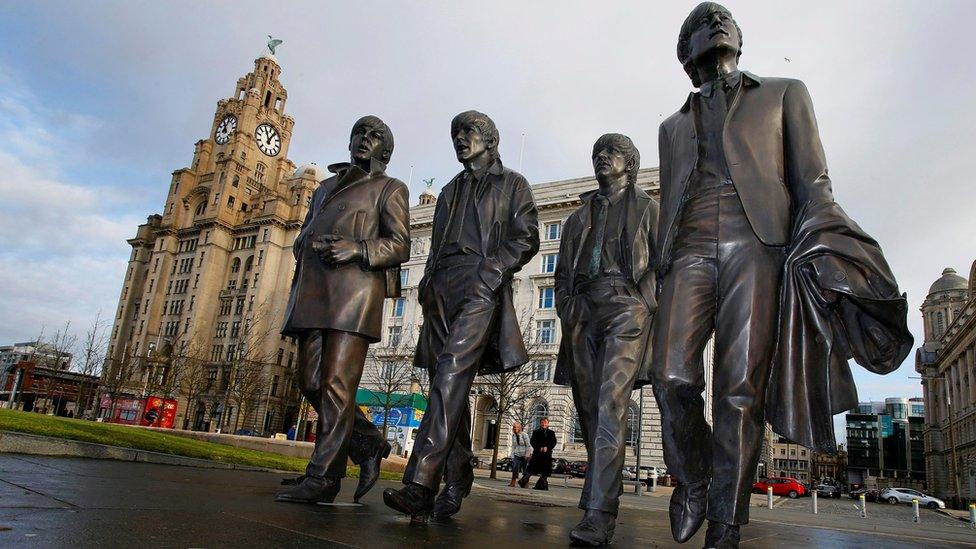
[(273, 43)]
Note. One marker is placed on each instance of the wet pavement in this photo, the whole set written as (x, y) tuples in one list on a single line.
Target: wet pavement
[(54, 502)]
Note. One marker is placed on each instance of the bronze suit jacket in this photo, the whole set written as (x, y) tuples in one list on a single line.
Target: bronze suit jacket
[(370, 208), (773, 151), (509, 226), (641, 234)]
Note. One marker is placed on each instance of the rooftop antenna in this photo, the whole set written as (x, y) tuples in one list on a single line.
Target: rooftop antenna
[(410, 178)]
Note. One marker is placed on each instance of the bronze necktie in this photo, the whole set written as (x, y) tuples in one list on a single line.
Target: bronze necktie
[(599, 232)]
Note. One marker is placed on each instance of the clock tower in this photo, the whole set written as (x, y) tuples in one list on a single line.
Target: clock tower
[(208, 279)]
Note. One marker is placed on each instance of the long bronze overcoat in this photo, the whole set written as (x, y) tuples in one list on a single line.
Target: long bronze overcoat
[(640, 229), (774, 154), (509, 225), (371, 208)]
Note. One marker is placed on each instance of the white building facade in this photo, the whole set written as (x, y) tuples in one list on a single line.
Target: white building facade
[(533, 291)]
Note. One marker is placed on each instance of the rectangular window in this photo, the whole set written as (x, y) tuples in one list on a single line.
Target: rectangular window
[(404, 277), (549, 262), (398, 304), (546, 297), (554, 230), (546, 332), (540, 370), (395, 333), (274, 386)]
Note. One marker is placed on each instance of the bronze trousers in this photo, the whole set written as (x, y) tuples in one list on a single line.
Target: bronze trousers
[(331, 365), (608, 324), (459, 316), (722, 279)]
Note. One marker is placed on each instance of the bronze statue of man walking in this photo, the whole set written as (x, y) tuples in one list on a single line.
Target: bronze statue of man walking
[(605, 286), (349, 251), (754, 248), (485, 230)]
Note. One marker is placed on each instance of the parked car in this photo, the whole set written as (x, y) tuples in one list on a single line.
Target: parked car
[(577, 468), (906, 495), (650, 471), (786, 486), (870, 494), (828, 491), (560, 466), (504, 464)]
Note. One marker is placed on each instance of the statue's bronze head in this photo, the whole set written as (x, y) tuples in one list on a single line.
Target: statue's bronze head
[(709, 27), (474, 133), (615, 153), (371, 138)]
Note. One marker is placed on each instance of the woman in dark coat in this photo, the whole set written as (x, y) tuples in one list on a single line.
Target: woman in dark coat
[(543, 440)]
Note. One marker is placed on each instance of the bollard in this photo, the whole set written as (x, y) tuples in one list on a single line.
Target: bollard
[(917, 517), (813, 494), (769, 496), (864, 507), (972, 514), (653, 486)]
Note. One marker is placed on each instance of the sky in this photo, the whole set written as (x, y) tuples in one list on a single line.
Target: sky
[(101, 101)]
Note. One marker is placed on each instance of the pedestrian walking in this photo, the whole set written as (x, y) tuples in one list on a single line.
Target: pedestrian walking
[(543, 440), (521, 450)]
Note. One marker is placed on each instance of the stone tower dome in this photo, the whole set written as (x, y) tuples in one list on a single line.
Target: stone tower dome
[(428, 197), (945, 299)]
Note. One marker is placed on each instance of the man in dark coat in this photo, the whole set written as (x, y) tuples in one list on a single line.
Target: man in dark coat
[(353, 240), (605, 296), (485, 230), (543, 441), (742, 171)]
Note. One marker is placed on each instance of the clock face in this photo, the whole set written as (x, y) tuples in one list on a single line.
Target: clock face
[(268, 139), (226, 127)]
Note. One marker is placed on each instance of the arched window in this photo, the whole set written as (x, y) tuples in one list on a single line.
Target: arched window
[(538, 411), (633, 425), (235, 266), (236, 181), (201, 207), (248, 263)]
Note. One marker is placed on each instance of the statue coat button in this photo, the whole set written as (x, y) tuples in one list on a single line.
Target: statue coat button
[(342, 207), (839, 276)]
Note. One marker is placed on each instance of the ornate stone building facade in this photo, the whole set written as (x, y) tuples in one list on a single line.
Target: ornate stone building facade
[(947, 363), (534, 301), (207, 281)]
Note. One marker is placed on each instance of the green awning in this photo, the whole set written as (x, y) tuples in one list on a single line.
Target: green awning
[(365, 397)]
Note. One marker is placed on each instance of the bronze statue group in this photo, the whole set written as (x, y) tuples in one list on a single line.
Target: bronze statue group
[(747, 246)]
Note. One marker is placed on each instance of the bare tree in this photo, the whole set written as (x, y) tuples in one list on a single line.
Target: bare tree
[(193, 379), (249, 364), (54, 355), (93, 348), (117, 373), (514, 391), (391, 373)]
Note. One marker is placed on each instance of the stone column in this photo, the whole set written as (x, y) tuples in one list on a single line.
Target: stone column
[(970, 367)]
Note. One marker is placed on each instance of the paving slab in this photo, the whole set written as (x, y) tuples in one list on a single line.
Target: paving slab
[(55, 502)]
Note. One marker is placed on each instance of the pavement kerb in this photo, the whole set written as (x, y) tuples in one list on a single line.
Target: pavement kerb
[(13, 442), (950, 514)]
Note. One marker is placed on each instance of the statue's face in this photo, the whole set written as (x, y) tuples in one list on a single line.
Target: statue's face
[(367, 142), (610, 162), (469, 143), (716, 30)]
